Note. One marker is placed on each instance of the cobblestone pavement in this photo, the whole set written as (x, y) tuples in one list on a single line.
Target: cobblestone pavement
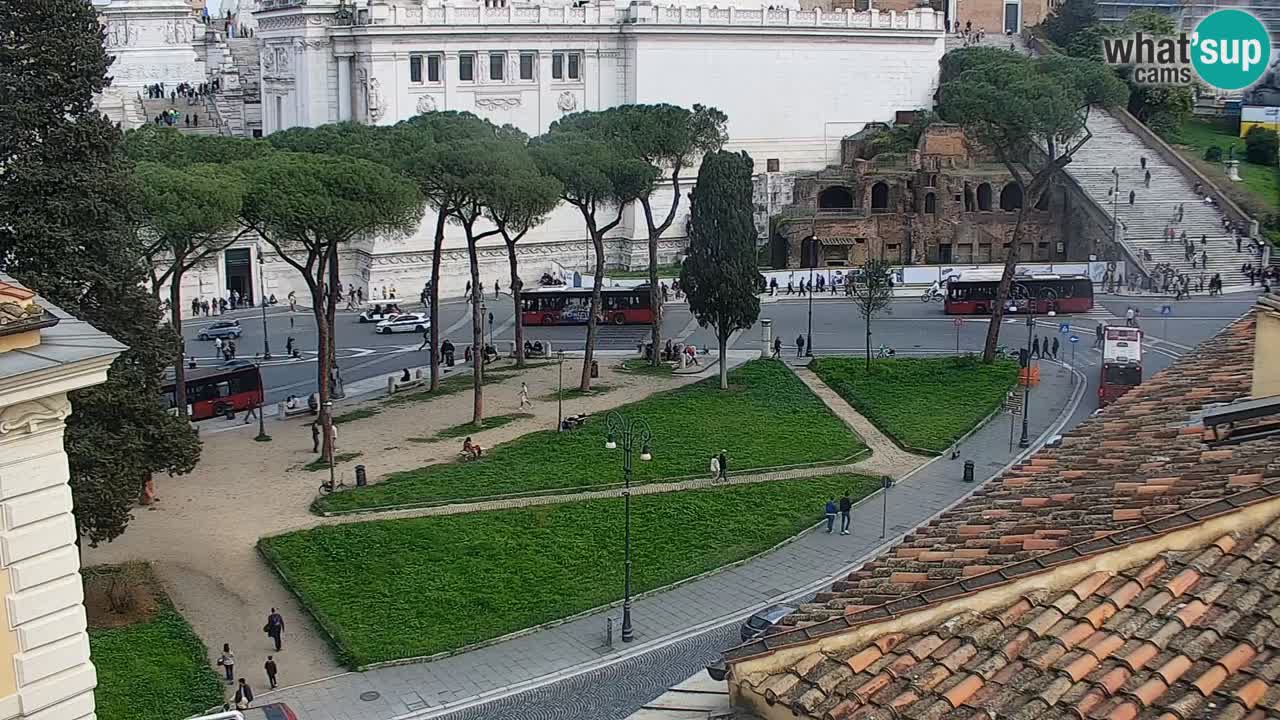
[(538, 674)]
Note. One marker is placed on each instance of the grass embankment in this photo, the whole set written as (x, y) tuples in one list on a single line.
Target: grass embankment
[(151, 665), (664, 271), (925, 403), (767, 418), (395, 589), (489, 423), (1258, 194)]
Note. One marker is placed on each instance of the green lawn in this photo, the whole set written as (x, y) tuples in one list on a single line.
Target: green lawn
[(153, 670), (925, 403), (572, 393), (767, 418), (465, 429), (404, 588), (1259, 193), (664, 271), (644, 367)]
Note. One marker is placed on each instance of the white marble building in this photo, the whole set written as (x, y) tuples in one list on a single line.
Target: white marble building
[(792, 82)]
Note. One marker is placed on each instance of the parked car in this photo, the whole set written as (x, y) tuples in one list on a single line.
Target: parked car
[(224, 329), (379, 312), (270, 711), (406, 322), (758, 623)]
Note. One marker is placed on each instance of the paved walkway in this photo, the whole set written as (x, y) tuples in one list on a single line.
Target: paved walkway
[(812, 560)]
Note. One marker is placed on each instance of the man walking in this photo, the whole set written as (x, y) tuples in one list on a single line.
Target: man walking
[(846, 505), (1132, 195), (1097, 335), (777, 348), (799, 345), (831, 515), (1146, 179), (315, 436), (524, 396), (715, 468), (497, 290), (275, 628), (244, 695), (1035, 347), (724, 464), (1054, 349), (270, 667)]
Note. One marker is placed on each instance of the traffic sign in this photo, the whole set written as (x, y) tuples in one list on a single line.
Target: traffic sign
[(1075, 338), (1166, 309), (1064, 328), (958, 322)]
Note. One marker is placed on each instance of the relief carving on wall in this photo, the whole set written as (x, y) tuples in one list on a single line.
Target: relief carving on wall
[(498, 102), (28, 416), (426, 104), (268, 62), (376, 108), (567, 102)]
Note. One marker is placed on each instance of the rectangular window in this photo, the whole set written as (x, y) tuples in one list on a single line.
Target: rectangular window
[(557, 66), (415, 68), (497, 63), (467, 67), (526, 66), (574, 66), (433, 68)]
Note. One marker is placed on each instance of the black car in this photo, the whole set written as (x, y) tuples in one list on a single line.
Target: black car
[(763, 620), (224, 329)]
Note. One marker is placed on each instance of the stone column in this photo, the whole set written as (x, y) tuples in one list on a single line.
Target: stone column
[(344, 88)]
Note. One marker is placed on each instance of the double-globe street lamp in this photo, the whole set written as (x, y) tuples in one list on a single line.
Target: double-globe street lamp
[(1020, 292), (630, 432)]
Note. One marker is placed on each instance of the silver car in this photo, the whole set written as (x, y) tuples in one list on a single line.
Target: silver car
[(224, 329)]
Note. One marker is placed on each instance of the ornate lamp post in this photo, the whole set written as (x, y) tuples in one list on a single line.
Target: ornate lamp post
[(632, 432)]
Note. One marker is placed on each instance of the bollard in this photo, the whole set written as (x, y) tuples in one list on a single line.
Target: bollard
[(608, 632), (968, 471), (361, 479)]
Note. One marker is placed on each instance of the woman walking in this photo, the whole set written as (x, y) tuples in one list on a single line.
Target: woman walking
[(228, 662)]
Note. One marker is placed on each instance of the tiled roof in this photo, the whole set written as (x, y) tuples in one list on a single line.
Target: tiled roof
[(1177, 635), (1143, 458)]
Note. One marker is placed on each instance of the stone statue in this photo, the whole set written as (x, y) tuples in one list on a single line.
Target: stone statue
[(376, 110), (171, 33)]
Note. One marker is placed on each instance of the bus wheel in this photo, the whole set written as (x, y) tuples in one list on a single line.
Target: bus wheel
[(980, 309), (619, 319), (548, 320), (224, 410)]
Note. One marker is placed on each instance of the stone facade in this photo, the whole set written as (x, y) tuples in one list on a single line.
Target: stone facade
[(152, 41), (939, 203), (45, 673)]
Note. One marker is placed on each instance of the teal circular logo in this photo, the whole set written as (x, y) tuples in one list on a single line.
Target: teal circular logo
[(1230, 49)]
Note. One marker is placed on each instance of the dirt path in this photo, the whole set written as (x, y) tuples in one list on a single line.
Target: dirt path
[(201, 535)]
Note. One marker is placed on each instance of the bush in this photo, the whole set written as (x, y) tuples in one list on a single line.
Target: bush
[(1213, 154), (1261, 146)]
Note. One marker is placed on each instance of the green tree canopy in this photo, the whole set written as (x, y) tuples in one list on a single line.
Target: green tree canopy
[(1031, 114), (596, 176), (167, 146), (1069, 19), (66, 232), (719, 275)]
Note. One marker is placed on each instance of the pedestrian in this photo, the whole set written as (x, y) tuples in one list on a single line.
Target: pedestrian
[(1035, 347), (831, 515), (1204, 240), (497, 291), (426, 339), (315, 436), (195, 120), (468, 291), (1146, 179), (228, 662), (799, 345), (1143, 162), (1054, 349), (790, 287), (231, 347), (524, 396), (1237, 243), (270, 667), (288, 347), (777, 348), (724, 464), (274, 628), (1204, 259), (217, 345), (1130, 318), (1097, 335), (846, 505), (1131, 197), (244, 695), (715, 468), (251, 414)]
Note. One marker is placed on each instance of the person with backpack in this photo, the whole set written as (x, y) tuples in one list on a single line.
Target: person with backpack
[(846, 506), (831, 515)]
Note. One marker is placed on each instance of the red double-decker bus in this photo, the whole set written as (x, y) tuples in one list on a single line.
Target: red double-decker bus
[(218, 391), (572, 306), (1121, 362), (973, 292)]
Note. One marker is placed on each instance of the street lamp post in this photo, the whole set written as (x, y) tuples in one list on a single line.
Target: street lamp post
[(560, 392), (809, 250), (262, 296), (1024, 441), (632, 432), (328, 431)]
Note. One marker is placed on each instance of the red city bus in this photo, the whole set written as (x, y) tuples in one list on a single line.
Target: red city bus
[(572, 306), (973, 292), (218, 391), (1121, 362)]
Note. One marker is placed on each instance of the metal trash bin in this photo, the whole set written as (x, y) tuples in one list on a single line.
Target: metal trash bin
[(362, 480), (595, 368), (968, 471)]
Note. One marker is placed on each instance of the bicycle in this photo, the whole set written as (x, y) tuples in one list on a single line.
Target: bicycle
[(328, 487), (931, 295)]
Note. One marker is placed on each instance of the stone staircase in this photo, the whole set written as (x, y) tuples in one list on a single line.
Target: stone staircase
[(208, 126), (1143, 223)]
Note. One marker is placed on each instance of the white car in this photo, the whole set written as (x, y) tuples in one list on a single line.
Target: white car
[(407, 322)]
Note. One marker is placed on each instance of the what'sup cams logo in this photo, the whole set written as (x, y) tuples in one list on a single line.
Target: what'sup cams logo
[(1228, 50)]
